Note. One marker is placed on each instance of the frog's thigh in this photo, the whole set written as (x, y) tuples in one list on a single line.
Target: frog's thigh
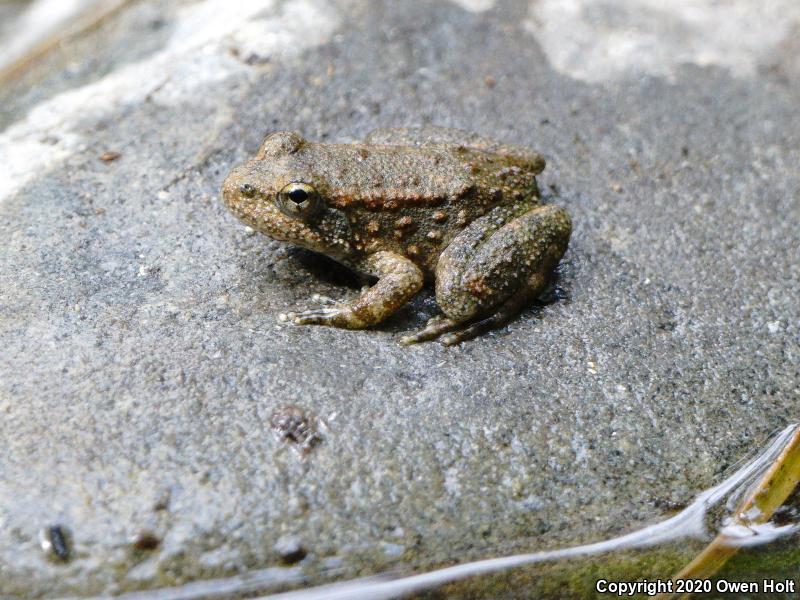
[(471, 280)]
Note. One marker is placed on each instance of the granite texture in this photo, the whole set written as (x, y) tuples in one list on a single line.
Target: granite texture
[(144, 369)]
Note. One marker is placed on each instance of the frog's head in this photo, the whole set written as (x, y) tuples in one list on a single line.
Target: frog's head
[(278, 194)]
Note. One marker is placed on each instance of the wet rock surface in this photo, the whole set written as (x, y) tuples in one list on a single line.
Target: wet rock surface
[(143, 362)]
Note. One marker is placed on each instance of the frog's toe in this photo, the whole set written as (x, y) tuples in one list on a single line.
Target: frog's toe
[(318, 316), (468, 333), (340, 315), (435, 327), (324, 300), (472, 331), (450, 339)]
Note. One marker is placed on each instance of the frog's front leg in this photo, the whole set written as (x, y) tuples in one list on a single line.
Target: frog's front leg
[(493, 269), (398, 280)]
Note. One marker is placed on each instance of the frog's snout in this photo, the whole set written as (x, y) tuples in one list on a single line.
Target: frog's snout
[(235, 189), (229, 190), (242, 195), (225, 191)]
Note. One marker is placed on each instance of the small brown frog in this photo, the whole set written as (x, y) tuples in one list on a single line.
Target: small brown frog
[(406, 206)]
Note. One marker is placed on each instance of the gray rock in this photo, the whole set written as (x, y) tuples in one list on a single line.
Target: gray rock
[(143, 360)]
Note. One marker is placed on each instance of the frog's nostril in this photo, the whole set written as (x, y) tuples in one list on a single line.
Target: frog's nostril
[(247, 190), (298, 195)]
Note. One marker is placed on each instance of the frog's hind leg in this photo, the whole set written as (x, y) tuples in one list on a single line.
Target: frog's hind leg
[(493, 269), (502, 315), (449, 331)]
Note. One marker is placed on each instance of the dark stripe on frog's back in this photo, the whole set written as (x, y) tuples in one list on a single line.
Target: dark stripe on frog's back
[(393, 177)]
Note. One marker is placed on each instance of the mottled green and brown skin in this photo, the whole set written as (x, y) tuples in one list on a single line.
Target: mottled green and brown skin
[(405, 206)]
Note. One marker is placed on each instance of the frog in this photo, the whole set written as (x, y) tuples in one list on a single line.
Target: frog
[(405, 207)]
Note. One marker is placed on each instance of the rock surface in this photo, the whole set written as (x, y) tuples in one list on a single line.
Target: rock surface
[(144, 368)]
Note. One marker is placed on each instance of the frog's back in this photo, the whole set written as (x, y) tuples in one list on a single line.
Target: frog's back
[(495, 172), (395, 176), (390, 177), (433, 135)]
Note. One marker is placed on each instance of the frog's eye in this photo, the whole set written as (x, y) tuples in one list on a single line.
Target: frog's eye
[(299, 200)]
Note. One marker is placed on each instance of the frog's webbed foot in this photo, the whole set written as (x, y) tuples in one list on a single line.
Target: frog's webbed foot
[(504, 314), (435, 327), (450, 332), (320, 315), (336, 315)]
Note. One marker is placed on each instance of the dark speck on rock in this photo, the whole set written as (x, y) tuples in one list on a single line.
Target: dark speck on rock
[(290, 549), (109, 156), (292, 424), (146, 541), (56, 542)]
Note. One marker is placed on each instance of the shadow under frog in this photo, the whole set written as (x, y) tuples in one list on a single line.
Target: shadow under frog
[(408, 206)]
